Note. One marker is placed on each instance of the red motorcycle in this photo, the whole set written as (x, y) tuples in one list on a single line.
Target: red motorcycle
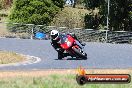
[(72, 47)]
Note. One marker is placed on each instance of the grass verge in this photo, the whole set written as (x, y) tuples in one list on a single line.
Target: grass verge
[(52, 79), (10, 57)]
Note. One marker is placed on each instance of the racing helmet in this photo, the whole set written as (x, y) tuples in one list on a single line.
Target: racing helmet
[(54, 34)]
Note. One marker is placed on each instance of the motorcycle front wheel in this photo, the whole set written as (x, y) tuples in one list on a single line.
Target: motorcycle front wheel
[(80, 53)]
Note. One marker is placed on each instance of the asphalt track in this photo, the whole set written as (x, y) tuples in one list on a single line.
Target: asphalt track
[(100, 55)]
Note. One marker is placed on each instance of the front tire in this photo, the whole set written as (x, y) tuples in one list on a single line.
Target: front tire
[(80, 53)]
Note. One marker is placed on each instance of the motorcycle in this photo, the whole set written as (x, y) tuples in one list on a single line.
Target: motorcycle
[(72, 47)]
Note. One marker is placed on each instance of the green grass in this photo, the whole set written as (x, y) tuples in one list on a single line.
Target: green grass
[(53, 81)]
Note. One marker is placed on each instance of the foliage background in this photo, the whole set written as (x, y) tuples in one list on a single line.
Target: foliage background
[(120, 17), (35, 11), (51, 12)]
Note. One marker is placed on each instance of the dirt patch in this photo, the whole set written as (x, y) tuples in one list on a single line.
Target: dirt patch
[(40, 73), (10, 57)]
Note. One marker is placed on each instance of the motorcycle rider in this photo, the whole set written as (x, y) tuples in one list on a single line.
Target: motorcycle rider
[(55, 39)]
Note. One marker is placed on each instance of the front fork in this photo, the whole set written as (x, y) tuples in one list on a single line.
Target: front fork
[(76, 42)]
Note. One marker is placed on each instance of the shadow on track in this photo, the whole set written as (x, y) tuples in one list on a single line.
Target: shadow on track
[(71, 59)]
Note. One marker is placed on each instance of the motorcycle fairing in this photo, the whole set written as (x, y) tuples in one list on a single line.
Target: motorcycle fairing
[(67, 42)]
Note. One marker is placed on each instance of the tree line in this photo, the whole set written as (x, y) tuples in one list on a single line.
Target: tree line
[(43, 12), (120, 15)]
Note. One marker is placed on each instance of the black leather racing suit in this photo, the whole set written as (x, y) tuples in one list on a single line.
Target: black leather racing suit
[(58, 48)]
